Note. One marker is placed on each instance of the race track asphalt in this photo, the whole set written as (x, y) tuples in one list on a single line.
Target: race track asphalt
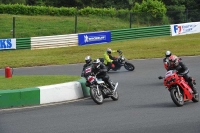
[(144, 105)]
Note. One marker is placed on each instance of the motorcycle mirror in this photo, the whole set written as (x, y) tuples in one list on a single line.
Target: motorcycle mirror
[(160, 77)]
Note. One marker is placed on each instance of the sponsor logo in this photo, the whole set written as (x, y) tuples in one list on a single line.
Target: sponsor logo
[(94, 38), (178, 29), (5, 44)]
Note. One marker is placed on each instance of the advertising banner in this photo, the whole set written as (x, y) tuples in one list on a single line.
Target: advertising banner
[(94, 38), (7, 44), (185, 28)]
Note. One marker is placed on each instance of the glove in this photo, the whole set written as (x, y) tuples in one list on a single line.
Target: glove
[(119, 51)]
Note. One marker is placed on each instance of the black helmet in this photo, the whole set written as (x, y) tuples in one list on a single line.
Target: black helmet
[(96, 63), (168, 54), (88, 60)]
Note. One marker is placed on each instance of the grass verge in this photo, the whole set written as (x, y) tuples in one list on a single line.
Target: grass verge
[(31, 26), (185, 45), (19, 82)]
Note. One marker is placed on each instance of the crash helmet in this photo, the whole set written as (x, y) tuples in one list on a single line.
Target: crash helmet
[(168, 53), (96, 63), (173, 60), (109, 50), (88, 60)]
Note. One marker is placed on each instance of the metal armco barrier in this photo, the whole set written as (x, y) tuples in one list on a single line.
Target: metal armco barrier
[(136, 33), (23, 43)]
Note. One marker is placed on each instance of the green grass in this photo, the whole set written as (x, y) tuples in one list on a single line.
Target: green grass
[(31, 26), (186, 45), (19, 82)]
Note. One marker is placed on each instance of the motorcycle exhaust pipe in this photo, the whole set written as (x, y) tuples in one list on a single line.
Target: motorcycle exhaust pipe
[(116, 86)]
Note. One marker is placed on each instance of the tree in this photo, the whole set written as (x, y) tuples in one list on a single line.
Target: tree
[(13, 1), (176, 10), (152, 9)]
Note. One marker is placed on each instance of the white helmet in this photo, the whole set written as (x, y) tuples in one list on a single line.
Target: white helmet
[(109, 50), (168, 53)]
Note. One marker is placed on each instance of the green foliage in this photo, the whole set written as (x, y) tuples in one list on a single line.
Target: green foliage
[(150, 10), (176, 13), (12, 1), (36, 10)]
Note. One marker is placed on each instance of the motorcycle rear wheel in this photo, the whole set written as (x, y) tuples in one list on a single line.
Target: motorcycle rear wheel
[(97, 98), (178, 100), (129, 66)]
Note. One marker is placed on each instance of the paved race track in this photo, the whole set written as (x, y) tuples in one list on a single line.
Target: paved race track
[(144, 106)]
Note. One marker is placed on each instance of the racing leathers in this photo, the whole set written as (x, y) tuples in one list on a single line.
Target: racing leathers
[(102, 73), (184, 71), (84, 66)]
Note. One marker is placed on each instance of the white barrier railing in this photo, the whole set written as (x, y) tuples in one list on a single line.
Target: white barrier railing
[(45, 42)]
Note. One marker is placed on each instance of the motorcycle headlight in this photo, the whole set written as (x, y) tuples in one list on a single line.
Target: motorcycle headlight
[(122, 58)]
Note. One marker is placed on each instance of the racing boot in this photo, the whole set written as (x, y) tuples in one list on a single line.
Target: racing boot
[(192, 86), (112, 88), (194, 90)]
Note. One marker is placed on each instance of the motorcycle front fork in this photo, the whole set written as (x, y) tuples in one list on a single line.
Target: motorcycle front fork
[(98, 92), (179, 93)]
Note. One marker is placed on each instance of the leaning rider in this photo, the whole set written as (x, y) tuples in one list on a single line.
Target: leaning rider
[(88, 62), (166, 59), (109, 60), (181, 69), (100, 69)]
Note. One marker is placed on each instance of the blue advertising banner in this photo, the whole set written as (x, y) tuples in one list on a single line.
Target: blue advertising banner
[(94, 38), (7, 44)]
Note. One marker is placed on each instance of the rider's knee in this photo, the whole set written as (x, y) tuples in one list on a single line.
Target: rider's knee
[(190, 79)]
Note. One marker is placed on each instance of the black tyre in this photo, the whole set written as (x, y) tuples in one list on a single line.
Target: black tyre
[(96, 97), (178, 100), (129, 66), (195, 98), (115, 96)]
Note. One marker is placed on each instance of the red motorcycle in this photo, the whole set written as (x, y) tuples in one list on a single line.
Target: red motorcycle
[(179, 89)]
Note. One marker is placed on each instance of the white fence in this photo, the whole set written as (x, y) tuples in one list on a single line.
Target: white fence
[(45, 42)]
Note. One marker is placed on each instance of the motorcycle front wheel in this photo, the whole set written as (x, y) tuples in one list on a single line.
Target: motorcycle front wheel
[(129, 66), (96, 95), (178, 100)]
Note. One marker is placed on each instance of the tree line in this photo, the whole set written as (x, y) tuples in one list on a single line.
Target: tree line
[(118, 4), (175, 9)]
